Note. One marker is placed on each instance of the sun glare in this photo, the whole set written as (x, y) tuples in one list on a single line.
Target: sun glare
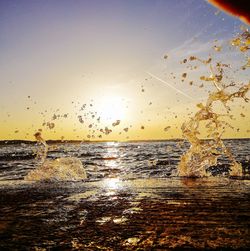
[(112, 183), (111, 108)]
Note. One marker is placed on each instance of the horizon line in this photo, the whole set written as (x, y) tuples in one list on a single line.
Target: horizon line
[(105, 141)]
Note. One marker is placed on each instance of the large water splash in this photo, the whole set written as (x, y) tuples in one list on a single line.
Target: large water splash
[(203, 154)]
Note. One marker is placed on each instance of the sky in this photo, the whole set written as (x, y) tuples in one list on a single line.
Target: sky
[(73, 68)]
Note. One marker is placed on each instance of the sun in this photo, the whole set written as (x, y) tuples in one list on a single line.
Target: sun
[(111, 108)]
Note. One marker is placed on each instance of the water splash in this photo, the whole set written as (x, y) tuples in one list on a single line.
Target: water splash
[(69, 168), (203, 154), (59, 169), (41, 153)]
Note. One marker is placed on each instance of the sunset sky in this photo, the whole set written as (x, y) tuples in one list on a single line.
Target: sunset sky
[(72, 68)]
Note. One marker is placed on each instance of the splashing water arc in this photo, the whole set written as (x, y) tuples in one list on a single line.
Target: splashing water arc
[(204, 153)]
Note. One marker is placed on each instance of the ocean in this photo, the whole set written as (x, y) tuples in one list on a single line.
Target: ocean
[(132, 199), (114, 159)]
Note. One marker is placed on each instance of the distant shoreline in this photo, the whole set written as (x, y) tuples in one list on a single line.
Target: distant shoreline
[(13, 142)]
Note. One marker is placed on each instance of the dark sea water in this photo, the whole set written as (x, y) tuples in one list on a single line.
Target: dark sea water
[(132, 199), (125, 160)]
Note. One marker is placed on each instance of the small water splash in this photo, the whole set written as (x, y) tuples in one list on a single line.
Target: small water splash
[(204, 153), (68, 168), (58, 169), (41, 153)]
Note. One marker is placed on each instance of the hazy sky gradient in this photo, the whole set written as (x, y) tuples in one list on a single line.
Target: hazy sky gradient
[(66, 53)]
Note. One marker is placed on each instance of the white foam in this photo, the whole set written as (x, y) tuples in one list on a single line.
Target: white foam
[(59, 169)]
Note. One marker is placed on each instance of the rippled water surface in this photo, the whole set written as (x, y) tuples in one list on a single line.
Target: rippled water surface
[(126, 160), (129, 200)]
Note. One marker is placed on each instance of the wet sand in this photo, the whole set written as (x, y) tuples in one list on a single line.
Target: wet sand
[(113, 214)]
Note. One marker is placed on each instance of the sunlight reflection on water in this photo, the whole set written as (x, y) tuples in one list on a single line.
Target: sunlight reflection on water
[(112, 183)]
